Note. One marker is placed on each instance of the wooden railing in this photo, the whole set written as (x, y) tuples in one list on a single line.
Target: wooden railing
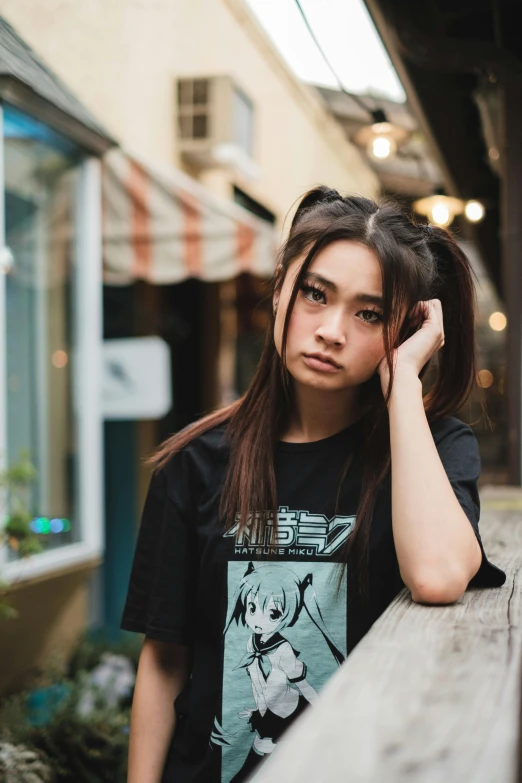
[(431, 693)]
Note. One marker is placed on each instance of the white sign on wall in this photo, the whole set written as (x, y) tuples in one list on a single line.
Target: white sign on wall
[(136, 378)]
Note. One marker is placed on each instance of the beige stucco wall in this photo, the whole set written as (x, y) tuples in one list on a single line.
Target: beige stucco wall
[(52, 614), (121, 58)]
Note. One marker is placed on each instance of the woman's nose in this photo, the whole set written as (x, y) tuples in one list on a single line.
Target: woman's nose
[(331, 330)]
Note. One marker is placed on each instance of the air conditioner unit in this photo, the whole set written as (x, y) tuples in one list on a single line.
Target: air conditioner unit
[(215, 124)]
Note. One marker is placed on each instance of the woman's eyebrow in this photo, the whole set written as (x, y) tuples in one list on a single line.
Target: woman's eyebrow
[(370, 299), (375, 299), (322, 280)]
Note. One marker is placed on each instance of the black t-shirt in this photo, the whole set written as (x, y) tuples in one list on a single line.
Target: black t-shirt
[(269, 621)]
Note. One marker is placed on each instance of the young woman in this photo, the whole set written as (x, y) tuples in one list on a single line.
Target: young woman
[(308, 504)]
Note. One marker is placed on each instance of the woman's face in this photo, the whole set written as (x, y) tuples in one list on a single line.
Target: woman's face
[(335, 337)]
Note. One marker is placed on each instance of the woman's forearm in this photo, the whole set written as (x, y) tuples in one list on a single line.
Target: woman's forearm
[(436, 547), (162, 672)]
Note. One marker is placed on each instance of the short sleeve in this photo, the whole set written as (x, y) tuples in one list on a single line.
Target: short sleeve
[(294, 669), (459, 453), (162, 582)]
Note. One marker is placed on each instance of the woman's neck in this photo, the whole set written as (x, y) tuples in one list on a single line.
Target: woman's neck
[(316, 414)]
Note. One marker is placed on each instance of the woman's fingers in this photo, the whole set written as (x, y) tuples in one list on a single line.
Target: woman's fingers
[(428, 311)]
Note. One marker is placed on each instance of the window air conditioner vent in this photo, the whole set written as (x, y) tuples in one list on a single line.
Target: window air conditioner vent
[(215, 123)]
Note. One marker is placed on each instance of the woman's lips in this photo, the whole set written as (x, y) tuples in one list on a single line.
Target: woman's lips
[(320, 364)]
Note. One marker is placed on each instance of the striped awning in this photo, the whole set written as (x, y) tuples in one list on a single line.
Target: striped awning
[(161, 226)]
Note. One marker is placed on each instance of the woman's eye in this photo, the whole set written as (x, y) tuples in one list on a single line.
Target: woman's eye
[(370, 316), (313, 294), (274, 614), (252, 608)]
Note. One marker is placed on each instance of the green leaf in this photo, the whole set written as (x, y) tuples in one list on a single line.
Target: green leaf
[(17, 526), (21, 473), (29, 546)]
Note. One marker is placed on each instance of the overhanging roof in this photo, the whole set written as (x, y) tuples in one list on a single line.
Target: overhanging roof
[(443, 50), (28, 84)]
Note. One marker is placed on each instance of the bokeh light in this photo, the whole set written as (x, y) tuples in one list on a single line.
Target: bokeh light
[(43, 526), (474, 211), (497, 321), (440, 214), (485, 378), (382, 147), (60, 359)]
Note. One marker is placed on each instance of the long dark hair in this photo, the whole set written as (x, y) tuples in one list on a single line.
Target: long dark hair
[(417, 263)]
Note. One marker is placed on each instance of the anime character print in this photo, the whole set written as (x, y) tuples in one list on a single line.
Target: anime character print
[(288, 654)]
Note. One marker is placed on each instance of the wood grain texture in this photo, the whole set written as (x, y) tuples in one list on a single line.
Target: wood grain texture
[(431, 694)]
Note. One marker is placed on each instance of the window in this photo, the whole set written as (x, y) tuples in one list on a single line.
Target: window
[(40, 180), (243, 121), (46, 395)]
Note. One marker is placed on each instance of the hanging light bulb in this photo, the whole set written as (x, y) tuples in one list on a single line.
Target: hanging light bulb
[(381, 138), (439, 208), (474, 211), (382, 147), (440, 214)]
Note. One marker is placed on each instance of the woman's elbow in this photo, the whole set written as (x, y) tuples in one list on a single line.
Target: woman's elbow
[(443, 583), (437, 591)]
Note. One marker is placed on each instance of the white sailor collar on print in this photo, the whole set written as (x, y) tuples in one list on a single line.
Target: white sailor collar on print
[(263, 652)]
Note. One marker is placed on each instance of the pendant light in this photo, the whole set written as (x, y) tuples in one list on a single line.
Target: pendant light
[(441, 209), (381, 138)]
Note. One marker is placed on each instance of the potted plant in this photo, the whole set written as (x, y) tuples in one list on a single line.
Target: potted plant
[(15, 527)]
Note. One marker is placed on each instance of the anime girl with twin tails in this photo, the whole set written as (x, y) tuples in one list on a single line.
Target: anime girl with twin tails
[(270, 598)]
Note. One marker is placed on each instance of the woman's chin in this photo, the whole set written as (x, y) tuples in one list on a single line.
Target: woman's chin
[(329, 382), (324, 381)]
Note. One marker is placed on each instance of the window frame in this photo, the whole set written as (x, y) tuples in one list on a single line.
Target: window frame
[(243, 100), (86, 380)]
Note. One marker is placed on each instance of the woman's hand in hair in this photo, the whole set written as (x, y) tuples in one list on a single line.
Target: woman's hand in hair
[(415, 351)]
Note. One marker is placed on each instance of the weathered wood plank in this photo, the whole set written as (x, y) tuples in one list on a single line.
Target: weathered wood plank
[(431, 694)]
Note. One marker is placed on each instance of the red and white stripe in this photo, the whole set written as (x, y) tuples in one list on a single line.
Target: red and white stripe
[(162, 226)]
